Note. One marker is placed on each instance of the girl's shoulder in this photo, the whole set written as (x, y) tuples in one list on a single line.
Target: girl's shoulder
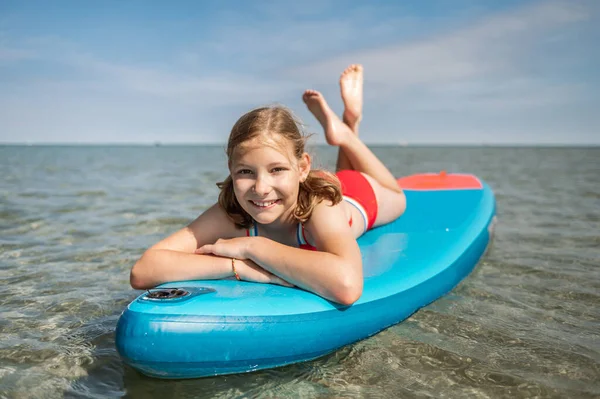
[(335, 217), (326, 211), (328, 228)]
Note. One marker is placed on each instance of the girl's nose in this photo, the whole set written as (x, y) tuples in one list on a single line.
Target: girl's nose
[(262, 186)]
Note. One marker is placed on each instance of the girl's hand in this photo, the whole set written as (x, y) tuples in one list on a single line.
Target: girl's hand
[(227, 248), (250, 271), (246, 268)]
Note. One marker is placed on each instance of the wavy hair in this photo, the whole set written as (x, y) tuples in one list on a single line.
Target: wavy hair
[(276, 124)]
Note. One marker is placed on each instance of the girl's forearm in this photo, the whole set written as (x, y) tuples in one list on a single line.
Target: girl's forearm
[(323, 273), (158, 266)]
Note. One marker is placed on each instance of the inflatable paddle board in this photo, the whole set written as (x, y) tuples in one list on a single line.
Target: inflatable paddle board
[(191, 329)]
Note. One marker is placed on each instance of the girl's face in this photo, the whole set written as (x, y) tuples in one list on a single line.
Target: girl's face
[(266, 180)]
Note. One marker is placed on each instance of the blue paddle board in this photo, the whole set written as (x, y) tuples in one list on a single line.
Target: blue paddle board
[(192, 329)]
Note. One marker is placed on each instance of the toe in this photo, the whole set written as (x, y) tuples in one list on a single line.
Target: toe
[(347, 71)]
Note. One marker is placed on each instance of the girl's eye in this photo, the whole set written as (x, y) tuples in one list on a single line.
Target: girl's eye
[(276, 170), (244, 172)]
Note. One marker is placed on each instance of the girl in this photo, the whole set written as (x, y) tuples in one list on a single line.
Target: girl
[(272, 207)]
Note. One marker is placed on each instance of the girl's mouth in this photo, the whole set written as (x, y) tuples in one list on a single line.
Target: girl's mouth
[(264, 204)]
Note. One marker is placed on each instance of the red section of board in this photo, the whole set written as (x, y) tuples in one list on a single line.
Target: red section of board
[(440, 181)]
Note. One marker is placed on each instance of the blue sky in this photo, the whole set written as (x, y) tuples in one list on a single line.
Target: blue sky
[(436, 72)]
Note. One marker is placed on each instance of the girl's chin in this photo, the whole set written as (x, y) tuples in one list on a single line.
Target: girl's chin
[(267, 216), (263, 216), (263, 220)]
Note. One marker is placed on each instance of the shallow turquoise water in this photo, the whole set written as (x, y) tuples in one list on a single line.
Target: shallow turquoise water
[(525, 323)]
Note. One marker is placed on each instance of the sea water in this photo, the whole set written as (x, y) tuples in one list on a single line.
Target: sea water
[(525, 323)]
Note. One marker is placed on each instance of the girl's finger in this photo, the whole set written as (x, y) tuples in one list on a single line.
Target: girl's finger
[(205, 249), (281, 281)]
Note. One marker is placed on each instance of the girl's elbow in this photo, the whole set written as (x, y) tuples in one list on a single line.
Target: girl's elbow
[(137, 283), (348, 298), (136, 280), (349, 292), (138, 277)]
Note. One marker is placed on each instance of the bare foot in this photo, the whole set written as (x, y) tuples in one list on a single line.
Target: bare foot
[(336, 131), (351, 85)]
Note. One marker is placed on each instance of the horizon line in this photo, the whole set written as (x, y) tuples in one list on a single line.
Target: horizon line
[(215, 144)]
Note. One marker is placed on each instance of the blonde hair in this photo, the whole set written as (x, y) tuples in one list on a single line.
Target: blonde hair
[(265, 123)]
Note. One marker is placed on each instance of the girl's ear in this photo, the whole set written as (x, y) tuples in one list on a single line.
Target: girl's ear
[(304, 166)]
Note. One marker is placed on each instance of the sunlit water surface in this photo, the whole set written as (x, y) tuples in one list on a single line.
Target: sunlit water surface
[(525, 323)]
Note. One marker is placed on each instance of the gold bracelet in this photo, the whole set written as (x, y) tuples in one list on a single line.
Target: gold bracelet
[(235, 273)]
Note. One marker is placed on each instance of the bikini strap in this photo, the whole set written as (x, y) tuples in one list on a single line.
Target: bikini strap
[(252, 231), (301, 236)]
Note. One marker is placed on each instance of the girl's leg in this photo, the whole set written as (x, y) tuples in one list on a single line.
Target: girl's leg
[(339, 134), (390, 198), (351, 88)]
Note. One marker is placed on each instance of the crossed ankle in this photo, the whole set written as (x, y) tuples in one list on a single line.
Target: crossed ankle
[(352, 125)]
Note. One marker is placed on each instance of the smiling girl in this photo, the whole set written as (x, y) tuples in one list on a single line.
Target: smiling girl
[(276, 220)]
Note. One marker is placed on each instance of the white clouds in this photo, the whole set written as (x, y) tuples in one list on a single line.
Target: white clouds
[(496, 97), (490, 46), (199, 89)]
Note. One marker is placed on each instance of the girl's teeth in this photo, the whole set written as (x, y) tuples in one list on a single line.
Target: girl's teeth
[(264, 203)]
